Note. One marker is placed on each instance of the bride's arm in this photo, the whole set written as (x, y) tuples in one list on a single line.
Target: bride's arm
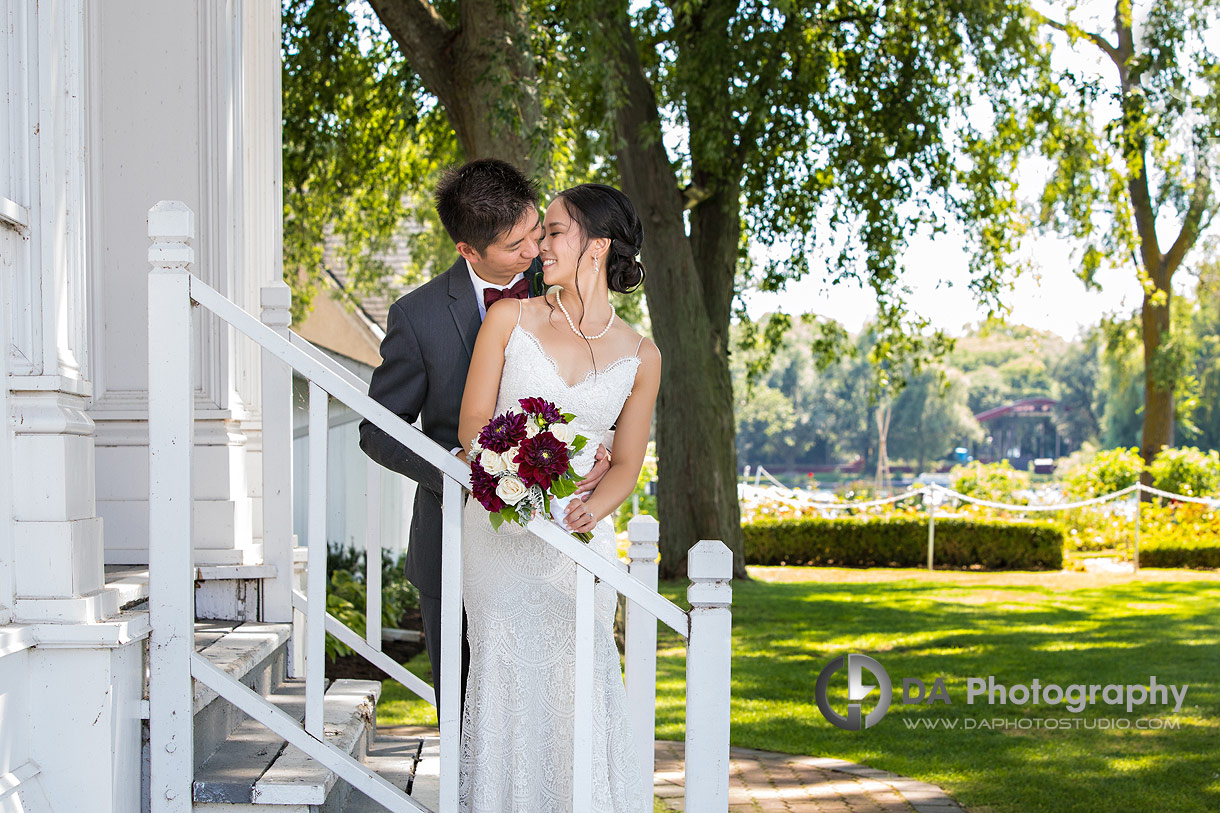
[(486, 366), (630, 446)]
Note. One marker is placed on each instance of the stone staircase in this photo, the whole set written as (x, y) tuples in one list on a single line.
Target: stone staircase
[(241, 766)]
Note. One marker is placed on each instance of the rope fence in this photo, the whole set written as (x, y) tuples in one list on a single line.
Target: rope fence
[(930, 493)]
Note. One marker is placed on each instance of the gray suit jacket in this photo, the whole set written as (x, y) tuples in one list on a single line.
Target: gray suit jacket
[(426, 352)]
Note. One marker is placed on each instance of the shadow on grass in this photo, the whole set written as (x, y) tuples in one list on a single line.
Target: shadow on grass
[(1122, 634)]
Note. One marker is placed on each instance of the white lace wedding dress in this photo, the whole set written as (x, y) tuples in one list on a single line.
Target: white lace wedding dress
[(519, 595)]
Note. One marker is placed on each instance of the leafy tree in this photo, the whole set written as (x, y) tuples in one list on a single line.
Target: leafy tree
[(1130, 153), (931, 416), (814, 129)]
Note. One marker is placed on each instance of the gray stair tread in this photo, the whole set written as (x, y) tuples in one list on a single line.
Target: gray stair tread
[(229, 774), (349, 722), (394, 759), (235, 647)]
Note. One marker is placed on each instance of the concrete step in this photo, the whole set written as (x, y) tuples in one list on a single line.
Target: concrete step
[(255, 654), (254, 768)]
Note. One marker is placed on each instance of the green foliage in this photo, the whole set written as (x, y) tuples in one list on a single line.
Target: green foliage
[(1187, 471), (1180, 535), (347, 593), (648, 502), (362, 143), (997, 482), (1109, 471), (903, 542)]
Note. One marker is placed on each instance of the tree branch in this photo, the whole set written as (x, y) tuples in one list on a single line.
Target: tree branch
[(425, 39), (1194, 217), (1097, 39)]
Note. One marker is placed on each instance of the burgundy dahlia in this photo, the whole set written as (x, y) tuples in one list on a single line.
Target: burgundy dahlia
[(541, 459), (483, 487), (503, 432), (542, 408)]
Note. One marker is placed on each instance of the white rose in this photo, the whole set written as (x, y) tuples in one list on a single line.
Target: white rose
[(563, 432), (511, 490), (510, 462), (491, 462), (531, 428)]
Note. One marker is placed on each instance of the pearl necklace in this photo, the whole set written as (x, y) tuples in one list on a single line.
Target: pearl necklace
[(571, 324)]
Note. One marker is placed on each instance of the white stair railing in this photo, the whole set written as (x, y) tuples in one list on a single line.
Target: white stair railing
[(173, 292)]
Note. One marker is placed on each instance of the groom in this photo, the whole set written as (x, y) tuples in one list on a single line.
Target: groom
[(490, 210)]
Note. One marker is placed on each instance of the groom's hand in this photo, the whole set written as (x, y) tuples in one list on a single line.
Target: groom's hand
[(601, 465)]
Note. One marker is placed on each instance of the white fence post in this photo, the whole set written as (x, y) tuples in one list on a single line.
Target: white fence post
[(1135, 549), (315, 611), (171, 408), (641, 646), (449, 709), (372, 555), (276, 300), (930, 497), (708, 665)]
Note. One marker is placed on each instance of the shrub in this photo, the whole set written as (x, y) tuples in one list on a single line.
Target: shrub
[(1109, 471), (346, 594), (1186, 471), (903, 542), (1180, 535), (997, 482)]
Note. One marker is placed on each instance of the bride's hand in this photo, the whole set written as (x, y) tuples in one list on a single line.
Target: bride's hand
[(577, 516)]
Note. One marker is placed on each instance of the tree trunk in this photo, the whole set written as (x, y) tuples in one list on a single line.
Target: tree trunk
[(1158, 378), (482, 72), (696, 463)]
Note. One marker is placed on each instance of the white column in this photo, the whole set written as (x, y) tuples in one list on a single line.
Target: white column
[(643, 532), (56, 534), (708, 664)]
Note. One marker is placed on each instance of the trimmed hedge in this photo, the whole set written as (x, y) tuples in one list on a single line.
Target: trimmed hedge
[(903, 542), (1203, 556)]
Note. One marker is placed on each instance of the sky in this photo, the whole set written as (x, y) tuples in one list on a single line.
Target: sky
[(1050, 298)]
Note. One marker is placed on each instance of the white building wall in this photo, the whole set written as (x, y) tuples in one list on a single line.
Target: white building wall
[(179, 132)]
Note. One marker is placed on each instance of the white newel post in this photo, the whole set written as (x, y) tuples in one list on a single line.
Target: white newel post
[(171, 404), (277, 459), (641, 645), (708, 663)]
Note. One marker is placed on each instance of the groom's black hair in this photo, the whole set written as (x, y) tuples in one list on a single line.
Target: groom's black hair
[(481, 200)]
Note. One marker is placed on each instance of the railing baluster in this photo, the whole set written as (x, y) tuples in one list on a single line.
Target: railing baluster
[(449, 713), (315, 613), (708, 661), (372, 557), (582, 723), (641, 646), (171, 414), (277, 459)]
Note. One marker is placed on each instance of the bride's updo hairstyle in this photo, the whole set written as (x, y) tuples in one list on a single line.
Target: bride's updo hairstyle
[(603, 211)]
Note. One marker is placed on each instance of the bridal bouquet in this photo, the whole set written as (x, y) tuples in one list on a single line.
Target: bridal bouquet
[(521, 463)]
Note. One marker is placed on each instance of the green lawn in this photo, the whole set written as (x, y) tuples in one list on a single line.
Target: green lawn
[(1061, 628)]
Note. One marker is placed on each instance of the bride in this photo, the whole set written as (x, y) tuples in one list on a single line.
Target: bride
[(570, 348)]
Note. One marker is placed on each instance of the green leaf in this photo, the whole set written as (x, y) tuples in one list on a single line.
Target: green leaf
[(497, 519), (563, 487), (580, 442)]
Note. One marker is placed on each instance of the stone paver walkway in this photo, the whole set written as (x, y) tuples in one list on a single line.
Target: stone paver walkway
[(770, 781), (759, 781)]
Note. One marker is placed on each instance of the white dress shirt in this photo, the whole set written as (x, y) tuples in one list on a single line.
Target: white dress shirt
[(481, 285)]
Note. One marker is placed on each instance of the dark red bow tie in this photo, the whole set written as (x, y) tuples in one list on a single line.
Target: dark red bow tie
[(519, 291)]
